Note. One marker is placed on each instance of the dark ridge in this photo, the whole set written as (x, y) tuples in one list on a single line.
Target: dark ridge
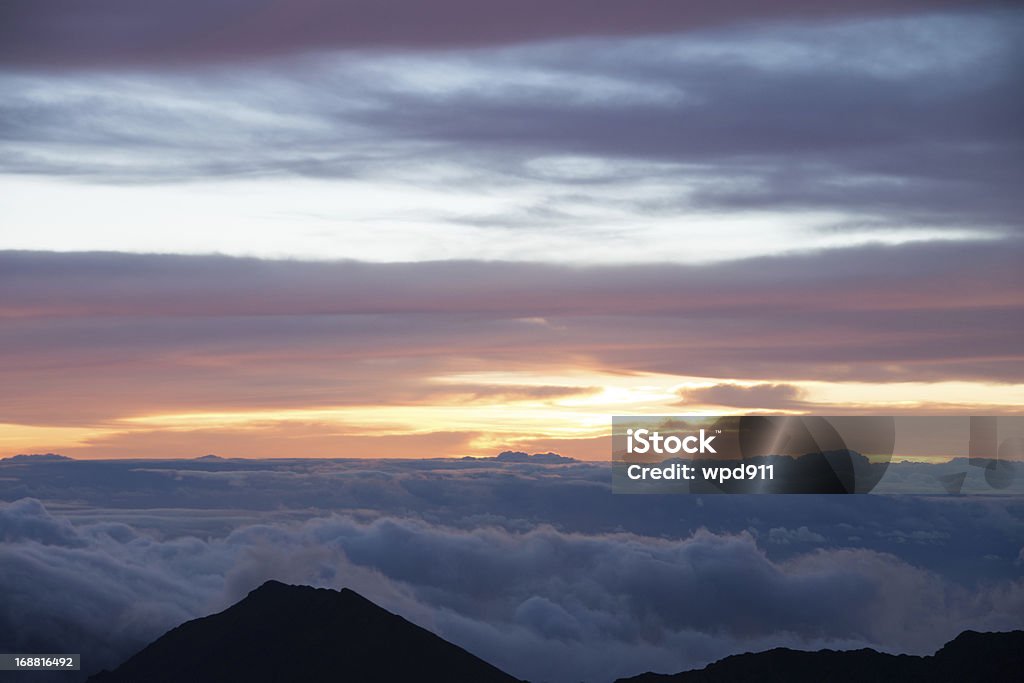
[(537, 458), (971, 657), (282, 633), (36, 457)]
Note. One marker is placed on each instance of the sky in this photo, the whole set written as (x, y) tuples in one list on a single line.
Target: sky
[(366, 238), (377, 230)]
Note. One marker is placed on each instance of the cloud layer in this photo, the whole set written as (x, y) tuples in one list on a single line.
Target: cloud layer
[(536, 568), (683, 147), (290, 357)]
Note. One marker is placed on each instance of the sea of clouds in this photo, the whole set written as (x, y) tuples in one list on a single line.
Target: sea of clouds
[(537, 568)]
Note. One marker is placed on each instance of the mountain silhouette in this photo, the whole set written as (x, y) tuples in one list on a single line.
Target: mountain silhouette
[(296, 633), (971, 657), (288, 633)]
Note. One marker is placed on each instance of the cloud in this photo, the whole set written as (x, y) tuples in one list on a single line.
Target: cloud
[(799, 535), (536, 567), (203, 497), (28, 519), (124, 33), (863, 127), (778, 396), (853, 283), (542, 603), (236, 335)]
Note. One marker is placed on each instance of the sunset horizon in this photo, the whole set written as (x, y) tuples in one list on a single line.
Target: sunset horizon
[(501, 241), (178, 356)]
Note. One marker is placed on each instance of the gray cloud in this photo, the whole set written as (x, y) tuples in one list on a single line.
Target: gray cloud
[(541, 602), (881, 121), (59, 33), (801, 534), (206, 498), (28, 519)]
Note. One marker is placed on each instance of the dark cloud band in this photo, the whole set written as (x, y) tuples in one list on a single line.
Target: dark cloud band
[(65, 33)]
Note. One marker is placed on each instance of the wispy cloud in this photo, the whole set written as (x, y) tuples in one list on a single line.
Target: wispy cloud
[(844, 133)]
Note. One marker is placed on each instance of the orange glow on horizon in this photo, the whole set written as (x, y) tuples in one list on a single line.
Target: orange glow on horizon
[(575, 421)]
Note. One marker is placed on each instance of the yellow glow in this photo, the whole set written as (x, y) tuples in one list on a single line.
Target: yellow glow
[(31, 438), (495, 425), (911, 395), (585, 414)]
